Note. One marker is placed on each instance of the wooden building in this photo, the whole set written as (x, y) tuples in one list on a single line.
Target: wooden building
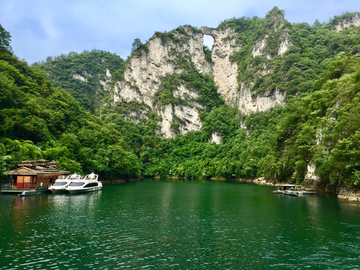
[(32, 175)]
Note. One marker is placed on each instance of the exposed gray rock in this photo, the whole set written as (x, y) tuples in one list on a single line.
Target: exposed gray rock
[(351, 22)]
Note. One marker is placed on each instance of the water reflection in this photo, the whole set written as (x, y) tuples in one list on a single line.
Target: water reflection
[(78, 202), (183, 225)]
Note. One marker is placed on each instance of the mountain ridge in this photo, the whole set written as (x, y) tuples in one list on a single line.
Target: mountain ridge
[(176, 119)]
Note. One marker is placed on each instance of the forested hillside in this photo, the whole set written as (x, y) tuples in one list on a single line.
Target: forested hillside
[(276, 54), (319, 130), (291, 115), (85, 76), (311, 138), (38, 120)]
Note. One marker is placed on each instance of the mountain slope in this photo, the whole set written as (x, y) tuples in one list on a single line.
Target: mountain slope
[(38, 120), (279, 100), (85, 76), (255, 65)]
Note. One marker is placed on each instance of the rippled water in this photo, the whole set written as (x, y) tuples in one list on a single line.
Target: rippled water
[(179, 225)]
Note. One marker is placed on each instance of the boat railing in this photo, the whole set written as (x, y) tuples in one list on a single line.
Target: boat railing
[(91, 177), (77, 177)]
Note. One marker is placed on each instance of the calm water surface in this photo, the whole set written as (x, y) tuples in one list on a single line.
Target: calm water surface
[(179, 225)]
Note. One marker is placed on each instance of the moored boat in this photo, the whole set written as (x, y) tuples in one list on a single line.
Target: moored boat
[(291, 192), (87, 184), (29, 192), (62, 183), (304, 192)]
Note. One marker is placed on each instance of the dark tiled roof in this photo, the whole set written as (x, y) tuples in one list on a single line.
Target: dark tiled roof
[(36, 171)]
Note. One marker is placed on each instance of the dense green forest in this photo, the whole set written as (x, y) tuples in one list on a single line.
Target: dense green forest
[(83, 75), (38, 120), (295, 72), (319, 126)]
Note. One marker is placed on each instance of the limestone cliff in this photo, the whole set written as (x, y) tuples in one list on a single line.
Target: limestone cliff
[(348, 21), (148, 66), (224, 71), (158, 63)]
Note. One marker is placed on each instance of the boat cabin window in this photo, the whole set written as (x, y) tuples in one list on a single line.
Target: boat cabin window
[(58, 183), (76, 184), (92, 185)]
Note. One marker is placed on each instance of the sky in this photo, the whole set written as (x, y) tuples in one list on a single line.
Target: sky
[(42, 28)]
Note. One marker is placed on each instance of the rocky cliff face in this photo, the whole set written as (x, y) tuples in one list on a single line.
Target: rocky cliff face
[(103, 83), (261, 103), (348, 22), (224, 71), (147, 68), (162, 56)]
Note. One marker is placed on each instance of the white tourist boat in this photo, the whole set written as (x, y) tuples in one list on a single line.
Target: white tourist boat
[(87, 184), (62, 182)]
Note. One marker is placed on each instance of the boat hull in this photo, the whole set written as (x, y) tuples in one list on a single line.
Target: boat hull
[(83, 190), (59, 191), (30, 192), (291, 192), (15, 190)]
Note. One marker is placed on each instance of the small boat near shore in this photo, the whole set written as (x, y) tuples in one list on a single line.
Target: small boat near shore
[(87, 184), (292, 190), (29, 192)]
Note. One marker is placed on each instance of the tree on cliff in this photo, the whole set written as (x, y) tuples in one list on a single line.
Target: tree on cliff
[(136, 44), (5, 39)]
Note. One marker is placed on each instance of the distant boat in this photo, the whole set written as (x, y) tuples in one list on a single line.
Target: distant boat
[(283, 188), (291, 192), (87, 184), (303, 192)]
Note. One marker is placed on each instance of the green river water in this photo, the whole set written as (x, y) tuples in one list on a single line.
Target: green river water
[(179, 225)]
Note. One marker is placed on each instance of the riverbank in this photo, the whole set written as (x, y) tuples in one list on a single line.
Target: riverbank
[(348, 195), (342, 193)]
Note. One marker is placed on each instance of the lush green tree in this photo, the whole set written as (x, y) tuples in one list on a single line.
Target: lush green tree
[(5, 39), (136, 44), (38, 120), (84, 76)]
